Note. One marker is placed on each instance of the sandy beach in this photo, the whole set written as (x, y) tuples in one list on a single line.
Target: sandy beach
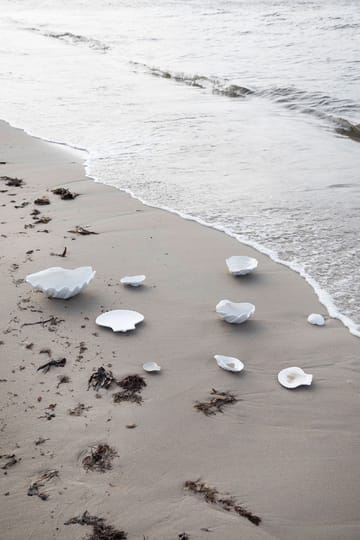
[(289, 457)]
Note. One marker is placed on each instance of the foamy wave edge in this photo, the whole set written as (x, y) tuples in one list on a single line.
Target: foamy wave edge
[(323, 296)]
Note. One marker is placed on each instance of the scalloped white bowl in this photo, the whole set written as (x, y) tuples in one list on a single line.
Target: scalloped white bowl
[(235, 312), (120, 320), (293, 377), (133, 281), (240, 265), (229, 363), (58, 282), (151, 367), (316, 319)]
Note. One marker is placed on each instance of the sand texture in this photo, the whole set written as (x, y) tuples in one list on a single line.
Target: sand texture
[(289, 457)]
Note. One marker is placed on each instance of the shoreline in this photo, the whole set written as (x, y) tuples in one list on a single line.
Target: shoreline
[(323, 296), (300, 446)]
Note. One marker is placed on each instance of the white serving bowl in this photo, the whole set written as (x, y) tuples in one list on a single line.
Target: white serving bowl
[(133, 281), (293, 377), (235, 312), (240, 265), (57, 282), (229, 363), (120, 320), (150, 367), (316, 319)]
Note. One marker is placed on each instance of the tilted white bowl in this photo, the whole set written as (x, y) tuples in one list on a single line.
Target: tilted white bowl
[(234, 312), (229, 363), (240, 265), (120, 320), (133, 281), (57, 282), (151, 367), (293, 377), (316, 318)]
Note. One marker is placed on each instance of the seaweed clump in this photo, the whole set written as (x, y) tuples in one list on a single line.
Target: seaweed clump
[(212, 496), (131, 388), (99, 459), (216, 403), (101, 530)]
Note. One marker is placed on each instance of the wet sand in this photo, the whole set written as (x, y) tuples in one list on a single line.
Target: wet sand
[(290, 457)]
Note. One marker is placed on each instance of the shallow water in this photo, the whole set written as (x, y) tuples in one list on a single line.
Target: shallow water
[(226, 111)]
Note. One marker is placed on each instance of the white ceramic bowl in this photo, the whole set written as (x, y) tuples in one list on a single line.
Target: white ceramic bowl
[(229, 363), (57, 282), (133, 281), (293, 377), (151, 367), (235, 312), (120, 320), (240, 265)]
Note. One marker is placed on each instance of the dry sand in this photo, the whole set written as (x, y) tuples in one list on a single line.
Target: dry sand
[(291, 457)]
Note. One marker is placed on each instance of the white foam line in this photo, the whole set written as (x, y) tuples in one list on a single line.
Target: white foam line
[(324, 297)]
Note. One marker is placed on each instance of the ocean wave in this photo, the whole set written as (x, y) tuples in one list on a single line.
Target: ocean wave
[(73, 39), (313, 103)]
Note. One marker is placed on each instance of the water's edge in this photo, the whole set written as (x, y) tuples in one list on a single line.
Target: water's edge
[(323, 296)]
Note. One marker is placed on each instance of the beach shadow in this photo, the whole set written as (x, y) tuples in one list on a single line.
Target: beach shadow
[(251, 327)]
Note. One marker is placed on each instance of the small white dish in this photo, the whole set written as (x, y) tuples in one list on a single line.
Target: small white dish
[(235, 312), (57, 282), (229, 363), (151, 367), (133, 281), (120, 320), (240, 265), (316, 319), (293, 377)]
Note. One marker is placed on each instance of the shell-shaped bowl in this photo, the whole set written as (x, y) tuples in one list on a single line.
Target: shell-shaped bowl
[(151, 367), (133, 281), (316, 319), (235, 312), (57, 282), (293, 377), (120, 320), (240, 265), (229, 363)]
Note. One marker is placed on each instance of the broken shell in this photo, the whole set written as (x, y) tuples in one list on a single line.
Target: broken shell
[(239, 265), (133, 281), (293, 377), (235, 313), (120, 320), (229, 363), (316, 318), (151, 366), (57, 282)]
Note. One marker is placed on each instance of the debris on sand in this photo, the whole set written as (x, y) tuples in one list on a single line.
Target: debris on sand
[(79, 409), (132, 386), (102, 378), (63, 254), (63, 379), (216, 403), (11, 461), (81, 230), (13, 182), (65, 194), (34, 488), (131, 426), (40, 440), (99, 459), (101, 531), (42, 200), (22, 205), (35, 212), (53, 363), (183, 536), (43, 219), (54, 321), (212, 496)]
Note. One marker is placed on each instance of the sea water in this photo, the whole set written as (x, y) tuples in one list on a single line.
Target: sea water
[(240, 114)]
